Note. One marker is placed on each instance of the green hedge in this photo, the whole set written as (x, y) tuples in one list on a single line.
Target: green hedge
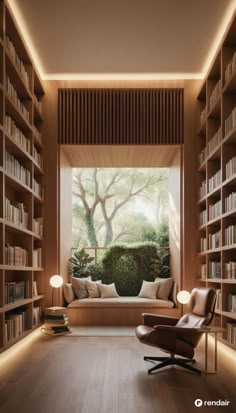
[(127, 265)]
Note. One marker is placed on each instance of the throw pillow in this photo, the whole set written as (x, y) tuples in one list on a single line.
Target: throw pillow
[(165, 287), (79, 286), (69, 294), (93, 290), (148, 290), (108, 290)]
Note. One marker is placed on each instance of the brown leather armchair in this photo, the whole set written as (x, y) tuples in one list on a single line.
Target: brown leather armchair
[(178, 336)]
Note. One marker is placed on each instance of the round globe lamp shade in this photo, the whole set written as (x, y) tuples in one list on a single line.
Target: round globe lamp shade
[(56, 281), (183, 297)]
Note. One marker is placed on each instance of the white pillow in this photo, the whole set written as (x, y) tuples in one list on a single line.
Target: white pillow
[(93, 290), (148, 290), (108, 290), (68, 292), (79, 286), (165, 287)]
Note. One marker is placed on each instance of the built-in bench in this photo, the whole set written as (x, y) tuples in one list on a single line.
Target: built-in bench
[(120, 310)]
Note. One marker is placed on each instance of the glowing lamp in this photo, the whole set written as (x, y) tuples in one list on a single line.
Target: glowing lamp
[(183, 297), (56, 281)]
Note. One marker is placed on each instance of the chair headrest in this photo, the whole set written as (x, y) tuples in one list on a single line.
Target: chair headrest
[(202, 301)]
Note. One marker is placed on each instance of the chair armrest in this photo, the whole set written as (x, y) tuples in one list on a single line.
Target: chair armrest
[(181, 330), (153, 319)]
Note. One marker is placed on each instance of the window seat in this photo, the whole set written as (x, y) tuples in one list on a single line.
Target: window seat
[(120, 302)]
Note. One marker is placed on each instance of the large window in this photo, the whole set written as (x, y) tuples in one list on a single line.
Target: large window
[(120, 204)]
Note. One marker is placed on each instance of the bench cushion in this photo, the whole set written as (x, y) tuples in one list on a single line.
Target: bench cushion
[(121, 302)]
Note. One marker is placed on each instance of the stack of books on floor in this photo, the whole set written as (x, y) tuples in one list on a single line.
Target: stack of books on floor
[(56, 322)]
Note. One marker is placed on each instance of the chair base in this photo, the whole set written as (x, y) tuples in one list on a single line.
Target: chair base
[(168, 361)]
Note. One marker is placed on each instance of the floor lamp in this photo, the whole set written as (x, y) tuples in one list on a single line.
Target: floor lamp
[(56, 281)]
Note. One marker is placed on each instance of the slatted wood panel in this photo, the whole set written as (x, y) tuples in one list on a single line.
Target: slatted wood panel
[(120, 116)]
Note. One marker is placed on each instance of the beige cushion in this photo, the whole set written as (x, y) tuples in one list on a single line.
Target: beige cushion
[(79, 286), (148, 290), (93, 290), (165, 287), (108, 290), (121, 302), (69, 294)]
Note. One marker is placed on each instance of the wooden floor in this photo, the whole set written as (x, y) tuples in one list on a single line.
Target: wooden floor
[(105, 375)]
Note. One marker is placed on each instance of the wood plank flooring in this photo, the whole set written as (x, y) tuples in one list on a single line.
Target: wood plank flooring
[(105, 375)]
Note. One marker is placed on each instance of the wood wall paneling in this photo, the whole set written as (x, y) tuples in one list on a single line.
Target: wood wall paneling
[(120, 116)]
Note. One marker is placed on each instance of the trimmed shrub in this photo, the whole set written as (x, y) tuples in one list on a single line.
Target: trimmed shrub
[(127, 265)]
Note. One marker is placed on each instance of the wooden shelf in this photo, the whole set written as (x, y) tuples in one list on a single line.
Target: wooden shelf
[(217, 115), (13, 72), (16, 114), (19, 194)]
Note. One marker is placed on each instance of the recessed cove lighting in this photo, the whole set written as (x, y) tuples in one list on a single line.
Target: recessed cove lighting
[(226, 19), (122, 76)]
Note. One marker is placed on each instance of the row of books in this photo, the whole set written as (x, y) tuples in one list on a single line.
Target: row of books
[(215, 240), (37, 102), (203, 217), (215, 141), (15, 291), (38, 188), (230, 270), (231, 302), (13, 166), (16, 134), (202, 155), (230, 202), (38, 226), (230, 68), (56, 322), (16, 256), (218, 299), (37, 312), (231, 332), (37, 134), (15, 212), (230, 122), (37, 258), (37, 157), (214, 269), (203, 244), (14, 97), (15, 323), (214, 181), (215, 93), (215, 210), (230, 167), (203, 271), (18, 62), (203, 189), (203, 115), (230, 235)]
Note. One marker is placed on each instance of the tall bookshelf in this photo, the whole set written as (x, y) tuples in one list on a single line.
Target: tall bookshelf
[(216, 140), (21, 186)]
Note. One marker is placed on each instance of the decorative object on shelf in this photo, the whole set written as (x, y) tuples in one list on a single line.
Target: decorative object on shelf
[(56, 281), (183, 297)]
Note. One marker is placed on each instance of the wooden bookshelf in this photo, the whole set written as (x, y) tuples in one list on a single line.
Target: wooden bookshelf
[(21, 186), (216, 142)]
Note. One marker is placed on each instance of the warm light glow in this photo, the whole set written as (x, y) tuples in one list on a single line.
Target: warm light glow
[(56, 281), (13, 353), (121, 76), (25, 34), (183, 297), (225, 21)]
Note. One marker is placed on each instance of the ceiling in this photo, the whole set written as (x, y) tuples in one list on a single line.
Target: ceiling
[(120, 156), (73, 38)]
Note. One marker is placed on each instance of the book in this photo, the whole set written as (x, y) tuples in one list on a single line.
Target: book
[(35, 290), (55, 310)]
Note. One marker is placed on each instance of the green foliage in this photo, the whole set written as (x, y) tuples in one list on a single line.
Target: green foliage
[(80, 264), (159, 234), (127, 265)]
